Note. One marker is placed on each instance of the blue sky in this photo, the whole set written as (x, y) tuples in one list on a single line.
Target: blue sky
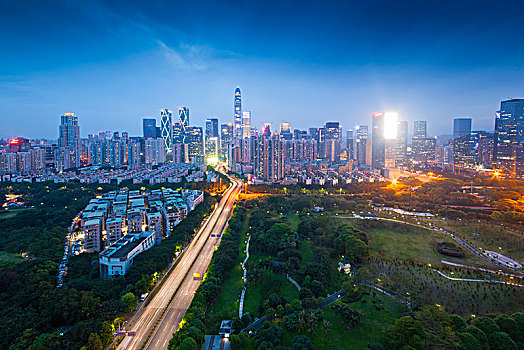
[(116, 62)]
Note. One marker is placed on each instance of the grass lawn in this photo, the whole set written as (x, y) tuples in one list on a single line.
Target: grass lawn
[(397, 241), (10, 257), (293, 221), (274, 283), (491, 236), (307, 252), (228, 300), (368, 331), (427, 287)]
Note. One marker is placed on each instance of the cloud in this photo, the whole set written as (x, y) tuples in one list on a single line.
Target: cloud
[(185, 57)]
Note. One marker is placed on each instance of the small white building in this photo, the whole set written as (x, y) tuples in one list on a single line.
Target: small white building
[(118, 258)]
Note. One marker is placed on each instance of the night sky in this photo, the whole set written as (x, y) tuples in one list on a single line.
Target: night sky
[(307, 62)]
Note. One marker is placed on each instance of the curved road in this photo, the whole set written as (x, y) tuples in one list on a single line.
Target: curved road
[(155, 323)]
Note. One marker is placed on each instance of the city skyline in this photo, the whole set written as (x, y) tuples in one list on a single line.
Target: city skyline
[(132, 66)]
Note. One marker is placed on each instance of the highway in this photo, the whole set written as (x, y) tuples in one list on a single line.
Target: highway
[(155, 323)]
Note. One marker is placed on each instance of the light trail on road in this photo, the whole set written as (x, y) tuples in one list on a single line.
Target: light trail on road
[(155, 323)]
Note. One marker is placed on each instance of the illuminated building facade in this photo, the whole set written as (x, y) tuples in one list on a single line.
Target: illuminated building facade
[(246, 125), (332, 142), (238, 114), (166, 128), (508, 148), (384, 134), (226, 138)]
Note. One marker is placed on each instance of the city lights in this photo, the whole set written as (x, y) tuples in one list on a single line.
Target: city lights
[(390, 125)]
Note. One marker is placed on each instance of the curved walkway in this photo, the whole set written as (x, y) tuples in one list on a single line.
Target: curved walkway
[(295, 283), (476, 280), (241, 307)]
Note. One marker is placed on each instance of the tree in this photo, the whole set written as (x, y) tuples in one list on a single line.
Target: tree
[(508, 325), (302, 342), (130, 300), (406, 331), (501, 341), (486, 324), (479, 335), (469, 342), (188, 344), (94, 342), (349, 316), (457, 322)]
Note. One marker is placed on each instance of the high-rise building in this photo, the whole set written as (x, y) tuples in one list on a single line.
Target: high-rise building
[(361, 131), (69, 143), (183, 116), (166, 128), (246, 125), (180, 153), (424, 149), (384, 135), (238, 114), (149, 128), (212, 140), (485, 150), (401, 143), (179, 133), (69, 131), (268, 157), (154, 151), (212, 150), (20, 144), (226, 138), (350, 144), (508, 150), (195, 141), (332, 143), (319, 135), (461, 127), (212, 127), (420, 129), (285, 127)]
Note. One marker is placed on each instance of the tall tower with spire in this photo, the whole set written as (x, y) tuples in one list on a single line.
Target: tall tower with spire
[(238, 114)]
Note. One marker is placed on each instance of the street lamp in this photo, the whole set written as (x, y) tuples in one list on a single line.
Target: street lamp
[(475, 253)]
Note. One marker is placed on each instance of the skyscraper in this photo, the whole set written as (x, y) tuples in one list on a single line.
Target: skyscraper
[(420, 129), (166, 128), (384, 134), (149, 128), (246, 125), (69, 131), (154, 151), (461, 127), (212, 127), (361, 131), (238, 114), (508, 150), (226, 138), (332, 142), (212, 140), (401, 143), (195, 141), (183, 115), (268, 157), (68, 153), (179, 133)]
